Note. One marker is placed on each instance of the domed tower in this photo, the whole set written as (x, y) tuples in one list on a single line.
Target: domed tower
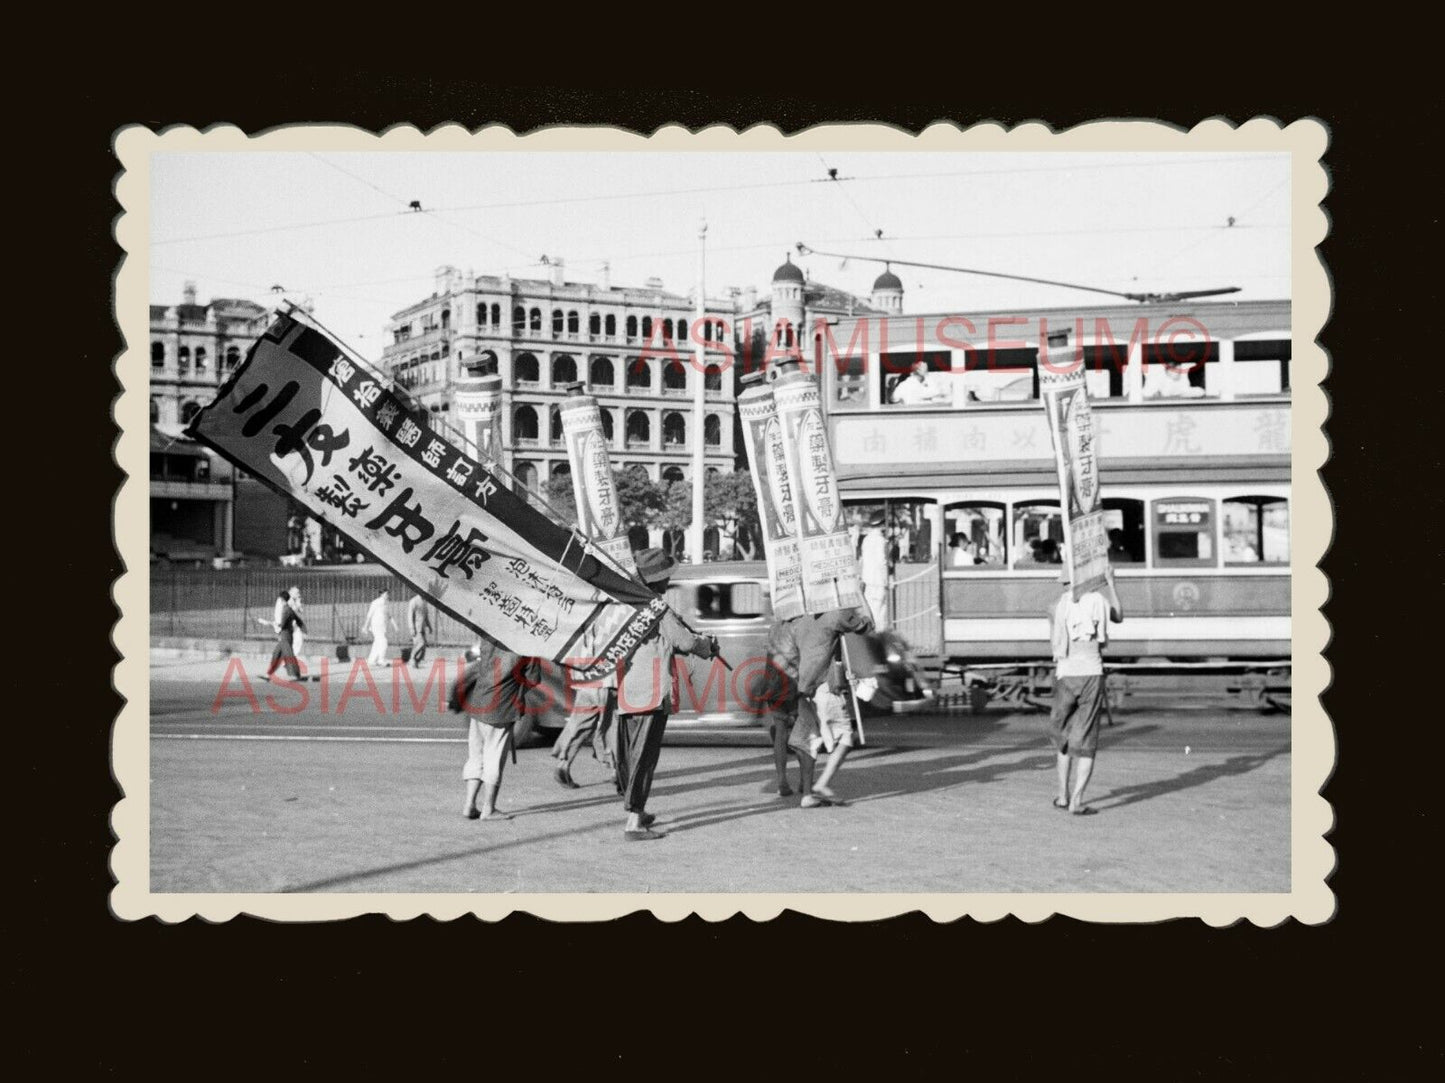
[(788, 297), (888, 291)]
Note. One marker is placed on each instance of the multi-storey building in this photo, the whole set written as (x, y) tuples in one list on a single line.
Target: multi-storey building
[(633, 348), (193, 492), (194, 347)]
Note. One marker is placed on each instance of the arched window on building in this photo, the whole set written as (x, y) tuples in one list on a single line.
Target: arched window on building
[(158, 353), (594, 324), (639, 373), (639, 428), (606, 424), (712, 430), (600, 373), (526, 475), (561, 470), (609, 325), (674, 429), (446, 318), (519, 320), (189, 411), (554, 428), (631, 327), (682, 330), (707, 331), (535, 319), (496, 315), (233, 357), (572, 325), (671, 474), (667, 329), (674, 376), (155, 411), (526, 370), (482, 315), (200, 359), (647, 328), (564, 370), (712, 378), (524, 424), (183, 358), (557, 320)]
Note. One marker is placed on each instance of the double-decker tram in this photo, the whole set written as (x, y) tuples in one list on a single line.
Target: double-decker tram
[(1192, 409)]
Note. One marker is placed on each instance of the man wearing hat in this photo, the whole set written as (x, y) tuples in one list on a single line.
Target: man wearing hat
[(1078, 628), (873, 568), (644, 698)]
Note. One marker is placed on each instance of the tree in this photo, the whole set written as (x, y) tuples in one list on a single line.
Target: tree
[(639, 500), (729, 502)]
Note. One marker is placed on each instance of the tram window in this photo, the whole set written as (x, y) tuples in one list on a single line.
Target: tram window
[(907, 526), (1180, 369), (1261, 367), (1000, 375), (1038, 533), (901, 388), (1256, 530), (975, 534), (1184, 533), (851, 381), (1124, 525)]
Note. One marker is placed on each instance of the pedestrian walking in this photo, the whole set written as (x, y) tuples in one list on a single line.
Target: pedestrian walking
[(780, 698), (591, 714), (379, 621), (287, 623), (873, 568), (298, 634), (491, 692), (1078, 629), (418, 619), (644, 698)]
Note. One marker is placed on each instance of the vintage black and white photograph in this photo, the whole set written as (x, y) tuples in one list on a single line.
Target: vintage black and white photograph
[(853, 521)]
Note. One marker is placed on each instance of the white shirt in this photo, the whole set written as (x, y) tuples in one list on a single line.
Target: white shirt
[(914, 388), (1085, 622), (376, 616), (873, 559)]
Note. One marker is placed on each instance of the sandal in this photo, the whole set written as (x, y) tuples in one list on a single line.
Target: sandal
[(1060, 804), (1086, 810)]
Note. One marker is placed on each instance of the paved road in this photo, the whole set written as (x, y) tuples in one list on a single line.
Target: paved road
[(349, 797)]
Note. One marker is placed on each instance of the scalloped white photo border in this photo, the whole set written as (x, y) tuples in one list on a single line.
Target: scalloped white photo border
[(1313, 747)]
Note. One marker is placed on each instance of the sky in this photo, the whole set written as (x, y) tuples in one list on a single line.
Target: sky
[(334, 227)]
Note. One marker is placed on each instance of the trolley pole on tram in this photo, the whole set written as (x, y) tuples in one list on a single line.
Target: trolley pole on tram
[(699, 403)]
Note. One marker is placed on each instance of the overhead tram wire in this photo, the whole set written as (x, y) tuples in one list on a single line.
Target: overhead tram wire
[(1143, 298), (657, 194)]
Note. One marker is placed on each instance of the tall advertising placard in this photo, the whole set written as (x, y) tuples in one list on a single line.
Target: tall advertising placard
[(479, 411), (1076, 457), (768, 464), (830, 567), (599, 516)]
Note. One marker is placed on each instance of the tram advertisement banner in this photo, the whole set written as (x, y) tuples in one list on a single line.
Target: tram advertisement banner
[(831, 578), (315, 426), (768, 464), (599, 515), (1076, 456)]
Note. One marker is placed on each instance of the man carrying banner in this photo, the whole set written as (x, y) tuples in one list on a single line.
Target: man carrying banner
[(819, 639), (644, 698), (492, 693), (780, 697), (1078, 628)]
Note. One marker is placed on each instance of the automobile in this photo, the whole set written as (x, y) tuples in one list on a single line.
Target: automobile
[(730, 601)]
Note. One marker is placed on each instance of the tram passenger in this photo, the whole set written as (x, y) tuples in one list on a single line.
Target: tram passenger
[(920, 386)]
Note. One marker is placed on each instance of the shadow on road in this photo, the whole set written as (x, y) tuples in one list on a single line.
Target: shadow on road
[(1198, 776)]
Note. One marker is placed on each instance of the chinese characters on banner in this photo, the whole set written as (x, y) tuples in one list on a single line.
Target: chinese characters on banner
[(317, 427), (1076, 456), (830, 567), (768, 463), (598, 513)]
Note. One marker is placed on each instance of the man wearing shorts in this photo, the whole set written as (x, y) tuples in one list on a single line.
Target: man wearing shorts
[(819, 637), (491, 692), (1078, 629)]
